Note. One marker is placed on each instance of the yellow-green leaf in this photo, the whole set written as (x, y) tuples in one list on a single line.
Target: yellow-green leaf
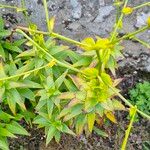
[(148, 21), (110, 116), (106, 78), (51, 23), (89, 44), (91, 121), (118, 105)]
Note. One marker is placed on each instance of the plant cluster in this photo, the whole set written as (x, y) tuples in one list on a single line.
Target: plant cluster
[(140, 96), (56, 88)]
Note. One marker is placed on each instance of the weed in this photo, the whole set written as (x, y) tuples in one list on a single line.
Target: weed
[(58, 89)]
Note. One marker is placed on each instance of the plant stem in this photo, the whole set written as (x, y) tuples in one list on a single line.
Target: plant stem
[(53, 34), (140, 41), (47, 15), (142, 5), (99, 62), (133, 33), (48, 54), (119, 22), (50, 64), (12, 7), (127, 133)]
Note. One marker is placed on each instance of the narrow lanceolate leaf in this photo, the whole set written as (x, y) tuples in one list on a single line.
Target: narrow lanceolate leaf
[(27, 93), (67, 130), (106, 78), (5, 33), (118, 105), (76, 110), (15, 96), (67, 95), (110, 116), (80, 123), (5, 133), (100, 132), (51, 23), (15, 128), (2, 72), (50, 106), (2, 53), (11, 103), (91, 120), (1, 24), (50, 134), (57, 136), (11, 47), (61, 79), (3, 143)]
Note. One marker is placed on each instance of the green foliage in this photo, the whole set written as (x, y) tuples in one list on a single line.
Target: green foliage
[(140, 96), (59, 90)]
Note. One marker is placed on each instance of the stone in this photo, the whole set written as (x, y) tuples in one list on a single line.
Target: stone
[(101, 2), (104, 12), (76, 9), (141, 19)]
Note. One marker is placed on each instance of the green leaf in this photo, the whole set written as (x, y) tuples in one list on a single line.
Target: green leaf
[(11, 47), (2, 71), (67, 130), (61, 79), (5, 117), (19, 42), (100, 132), (84, 61), (106, 79), (118, 105), (28, 53), (89, 44), (11, 103), (75, 110), (27, 93), (5, 33), (15, 96), (50, 134), (31, 84), (5, 133), (1, 23), (91, 72), (2, 53), (50, 106), (91, 120), (80, 122), (108, 105), (57, 136), (15, 128), (3, 144)]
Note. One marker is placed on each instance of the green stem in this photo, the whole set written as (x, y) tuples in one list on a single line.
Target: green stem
[(47, 15), (140, 41), (142, 5), (48, 54), (127, 133), (55, 35), (119, 22), (99, 62), (133, 33), (12, 7), (29, 72)]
